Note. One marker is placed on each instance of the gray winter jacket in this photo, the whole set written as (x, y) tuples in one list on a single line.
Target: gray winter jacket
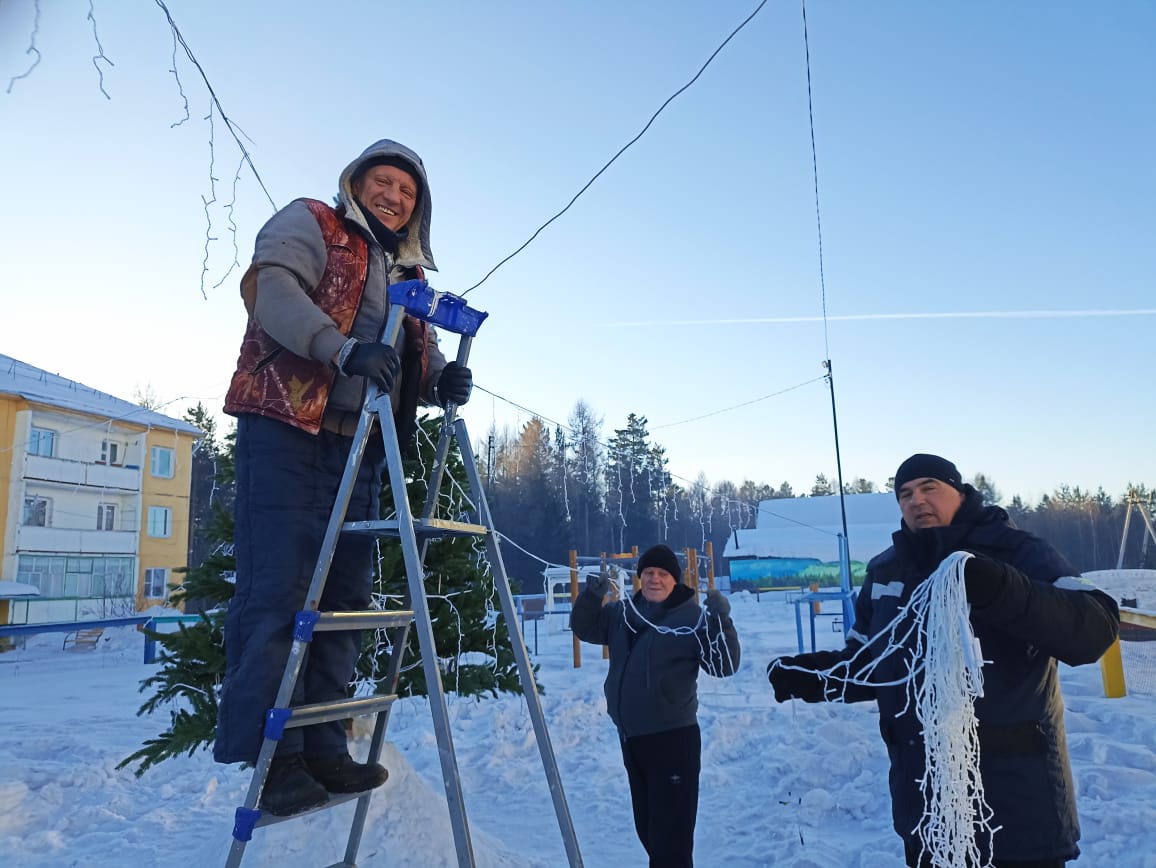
[(652, 685), (290, 255)]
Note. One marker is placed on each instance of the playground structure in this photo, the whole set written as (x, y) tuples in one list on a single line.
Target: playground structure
[(1135, 625), (86, 634)]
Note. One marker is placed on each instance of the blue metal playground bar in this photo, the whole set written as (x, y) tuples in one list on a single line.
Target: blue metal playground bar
[(150, 644), (814, 600)]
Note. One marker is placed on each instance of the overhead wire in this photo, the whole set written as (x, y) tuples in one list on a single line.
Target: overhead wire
[(609, 447), (737, 406), (815, 175), (178, 38), (621, 150), (216, 102), (603, 443), (829, 375)]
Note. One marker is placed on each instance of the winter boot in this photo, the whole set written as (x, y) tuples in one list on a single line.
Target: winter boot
[(338, 773), (290, 789)]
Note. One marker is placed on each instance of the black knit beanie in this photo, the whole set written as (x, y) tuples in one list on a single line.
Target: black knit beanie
[(924, 466), (662, 557)]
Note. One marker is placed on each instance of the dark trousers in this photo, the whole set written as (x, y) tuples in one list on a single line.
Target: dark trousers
[(663, 770), (287, 482), (913, 857)]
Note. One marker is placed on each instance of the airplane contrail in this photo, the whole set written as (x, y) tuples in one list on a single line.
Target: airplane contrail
[(978, 314)]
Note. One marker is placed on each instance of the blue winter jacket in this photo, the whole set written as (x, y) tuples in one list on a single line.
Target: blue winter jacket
[(1043, 614)]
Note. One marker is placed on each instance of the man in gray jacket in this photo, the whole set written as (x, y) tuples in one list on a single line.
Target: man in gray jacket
[(318, 303), (659, 639)]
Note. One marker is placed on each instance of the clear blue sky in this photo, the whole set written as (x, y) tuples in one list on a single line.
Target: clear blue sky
[(982, 158)]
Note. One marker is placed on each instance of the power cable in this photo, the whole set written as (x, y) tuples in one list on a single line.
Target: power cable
[(815, 175), (829, 372), (621, 150), (737, 406), (216, 102), (607, 446)]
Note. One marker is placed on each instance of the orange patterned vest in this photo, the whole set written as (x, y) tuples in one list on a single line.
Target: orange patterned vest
[(272, 381)]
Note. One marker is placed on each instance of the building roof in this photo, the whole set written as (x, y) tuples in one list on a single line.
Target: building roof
[(809, 527), (41, 387)]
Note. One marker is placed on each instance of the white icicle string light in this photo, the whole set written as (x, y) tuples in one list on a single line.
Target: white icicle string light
[(953, 797), (943, 679), (716, 648)]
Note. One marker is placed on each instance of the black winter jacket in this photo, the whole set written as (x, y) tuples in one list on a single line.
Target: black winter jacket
[(1043, 614), (652, 684)]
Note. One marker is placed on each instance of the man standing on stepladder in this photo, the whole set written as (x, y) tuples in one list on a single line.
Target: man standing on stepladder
[(317, 299)]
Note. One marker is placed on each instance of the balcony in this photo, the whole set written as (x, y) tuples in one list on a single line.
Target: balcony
[(59, 540), (102, 476)]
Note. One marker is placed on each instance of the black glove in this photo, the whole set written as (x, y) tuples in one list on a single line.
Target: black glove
[(792, 684), (598, 584), (985, 580), (717, 605), (378, 362), (454, 385)]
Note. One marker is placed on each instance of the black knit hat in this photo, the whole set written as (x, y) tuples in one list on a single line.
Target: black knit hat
[(924, 466), (662, 557)]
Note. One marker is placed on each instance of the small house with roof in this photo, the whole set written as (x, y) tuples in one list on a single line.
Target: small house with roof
[(795, 541)]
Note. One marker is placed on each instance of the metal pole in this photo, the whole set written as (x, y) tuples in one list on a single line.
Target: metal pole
[(573, 600), (1124, 535), (710, 564), (830, 377)]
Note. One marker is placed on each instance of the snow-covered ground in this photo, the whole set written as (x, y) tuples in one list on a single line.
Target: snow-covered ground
[(782, 785)]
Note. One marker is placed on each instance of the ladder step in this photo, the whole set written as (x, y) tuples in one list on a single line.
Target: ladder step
[(321, 712), (426, 527), (330, 621), (335, 799)]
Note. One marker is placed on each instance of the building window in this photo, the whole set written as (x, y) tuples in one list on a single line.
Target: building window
[(162, 462), (160, 521), (113, 577), (37, 512), (110, 452), (45, 573), (62, 577), (106, 516), (41, 441), (156, 583)]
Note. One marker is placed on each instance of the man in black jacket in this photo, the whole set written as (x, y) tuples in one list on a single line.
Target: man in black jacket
[(659, 639), (1028, 609)]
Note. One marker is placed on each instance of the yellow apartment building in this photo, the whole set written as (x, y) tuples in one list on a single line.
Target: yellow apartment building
[(94, 499)]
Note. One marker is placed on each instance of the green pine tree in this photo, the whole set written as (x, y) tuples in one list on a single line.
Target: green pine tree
[(473, 644), (191, 661)]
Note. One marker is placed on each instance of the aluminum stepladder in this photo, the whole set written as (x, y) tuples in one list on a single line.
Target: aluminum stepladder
[(448, 313)]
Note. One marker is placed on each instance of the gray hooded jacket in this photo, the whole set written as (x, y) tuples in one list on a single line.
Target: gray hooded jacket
[(290, 255)]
